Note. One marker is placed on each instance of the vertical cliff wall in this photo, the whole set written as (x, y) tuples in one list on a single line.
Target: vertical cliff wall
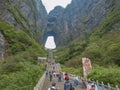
[(2, 44), (28, 15), (79, 17)]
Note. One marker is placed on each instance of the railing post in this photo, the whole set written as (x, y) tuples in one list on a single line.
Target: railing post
[(117, 87), (89, 79), (108, 86), (86, 79), (35, 88), (97, 84), (102, 85)]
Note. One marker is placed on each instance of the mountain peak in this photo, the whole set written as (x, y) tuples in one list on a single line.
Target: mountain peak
[(57, 9)]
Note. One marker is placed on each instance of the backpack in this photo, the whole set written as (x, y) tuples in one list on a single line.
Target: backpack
[(68, 86), (52, 89), (76, 82)]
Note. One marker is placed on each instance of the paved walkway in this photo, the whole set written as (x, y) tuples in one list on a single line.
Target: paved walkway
[(57, 68), (59, 85)]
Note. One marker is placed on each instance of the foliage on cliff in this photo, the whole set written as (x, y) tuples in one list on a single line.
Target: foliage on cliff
[(107, 75), (28, 15), (16, 40), (102, 47), (19, 69)]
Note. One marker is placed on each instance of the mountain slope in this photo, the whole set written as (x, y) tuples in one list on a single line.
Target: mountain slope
[(80, 17), (19, 68), (29, 16), (102, 47), (21, 25), (102, 44), (16, 41)]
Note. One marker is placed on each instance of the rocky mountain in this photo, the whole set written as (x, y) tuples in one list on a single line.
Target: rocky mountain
[(27, 15), (79, 17), (66, 24), (2, 44), (54, 19)]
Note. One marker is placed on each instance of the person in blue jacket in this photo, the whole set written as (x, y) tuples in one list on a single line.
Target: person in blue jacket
[(75, 82)]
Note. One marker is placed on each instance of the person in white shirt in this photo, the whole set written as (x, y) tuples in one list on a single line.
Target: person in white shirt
[(53, 86), (94, 84)]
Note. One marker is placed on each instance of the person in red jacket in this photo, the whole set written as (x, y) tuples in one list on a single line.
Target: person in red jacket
[(66, 76)]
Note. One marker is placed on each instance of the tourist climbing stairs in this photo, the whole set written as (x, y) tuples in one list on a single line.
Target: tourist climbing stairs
[(44, 83)]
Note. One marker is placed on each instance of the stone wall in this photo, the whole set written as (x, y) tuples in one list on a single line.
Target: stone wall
[(40, 83)]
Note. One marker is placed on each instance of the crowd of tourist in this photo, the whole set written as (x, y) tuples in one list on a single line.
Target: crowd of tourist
[(86, 85)]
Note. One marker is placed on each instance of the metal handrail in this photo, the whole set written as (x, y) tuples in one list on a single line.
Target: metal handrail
[(100, 86)]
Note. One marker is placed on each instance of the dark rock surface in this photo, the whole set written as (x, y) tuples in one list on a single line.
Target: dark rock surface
[(2, 44), (28, 15), (78, 17)]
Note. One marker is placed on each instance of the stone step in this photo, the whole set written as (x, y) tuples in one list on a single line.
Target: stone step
[(59, 85)]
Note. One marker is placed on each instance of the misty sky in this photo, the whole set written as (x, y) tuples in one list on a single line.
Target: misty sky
[(50, 4), (50, 43)]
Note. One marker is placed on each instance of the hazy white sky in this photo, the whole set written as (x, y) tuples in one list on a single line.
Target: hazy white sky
[(50, 4), (50, 43)]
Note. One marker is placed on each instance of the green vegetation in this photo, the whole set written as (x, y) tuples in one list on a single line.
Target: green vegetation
[(102, 47), (107, 26), (72, 70), (23, 20), (20, 18), (19, 69), (67, 53), (110, 74), (12, 79), (17, 40)]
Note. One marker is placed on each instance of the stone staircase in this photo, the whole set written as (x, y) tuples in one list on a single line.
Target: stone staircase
[(59, 85), (44, 83)]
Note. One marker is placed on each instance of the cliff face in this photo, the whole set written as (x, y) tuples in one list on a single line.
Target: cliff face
[(28, 15), (79, 17), (53, 24), (2, 44), (66, 24)]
